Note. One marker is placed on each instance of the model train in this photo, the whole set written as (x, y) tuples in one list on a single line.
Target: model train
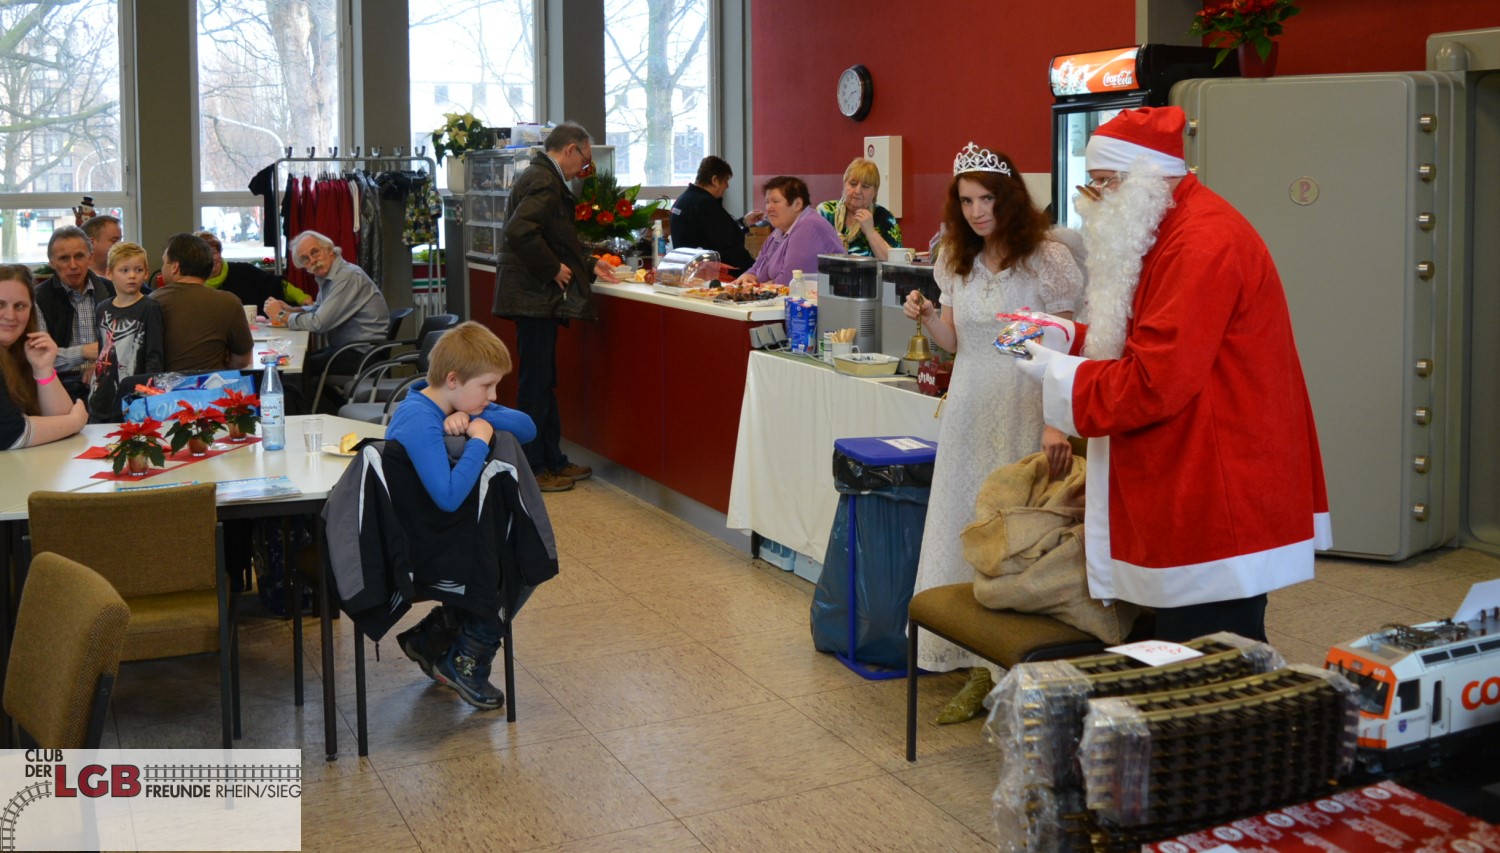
[(1426, 691)]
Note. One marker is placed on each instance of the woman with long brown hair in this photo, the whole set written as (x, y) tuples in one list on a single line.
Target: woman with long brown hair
[(34, 407), (995, 257)]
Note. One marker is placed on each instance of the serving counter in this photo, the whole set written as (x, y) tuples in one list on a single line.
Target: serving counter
[(655, 385)]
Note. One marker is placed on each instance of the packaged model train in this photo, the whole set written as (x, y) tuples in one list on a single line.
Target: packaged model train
[(1426, 691)]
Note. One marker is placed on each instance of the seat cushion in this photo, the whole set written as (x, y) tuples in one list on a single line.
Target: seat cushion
[(1005, 637), (172, 624)]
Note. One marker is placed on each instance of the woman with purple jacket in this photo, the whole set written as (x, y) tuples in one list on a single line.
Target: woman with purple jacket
[(801, 235)]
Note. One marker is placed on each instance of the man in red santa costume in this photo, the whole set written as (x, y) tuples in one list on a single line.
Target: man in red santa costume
[(1205, 482)]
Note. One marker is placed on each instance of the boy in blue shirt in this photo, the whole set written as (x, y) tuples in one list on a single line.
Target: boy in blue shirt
[(457, 399)]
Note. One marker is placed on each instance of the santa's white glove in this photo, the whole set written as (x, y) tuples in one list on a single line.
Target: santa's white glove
[(1036, 366), (1057, 333)]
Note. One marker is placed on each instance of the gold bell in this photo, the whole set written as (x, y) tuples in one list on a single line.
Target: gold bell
[(917, 349)]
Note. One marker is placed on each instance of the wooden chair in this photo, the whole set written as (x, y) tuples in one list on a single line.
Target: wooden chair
[(65, 654), (1004, 637), (170, 572)]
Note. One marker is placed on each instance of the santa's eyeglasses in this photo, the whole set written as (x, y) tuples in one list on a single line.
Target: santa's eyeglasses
[(1101, 183)]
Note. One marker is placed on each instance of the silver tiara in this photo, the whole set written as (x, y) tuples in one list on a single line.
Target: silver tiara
[(976, 159)]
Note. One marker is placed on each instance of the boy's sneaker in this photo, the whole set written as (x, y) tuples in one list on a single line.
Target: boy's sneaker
[(550, 482), (467, 670), (428, 641)]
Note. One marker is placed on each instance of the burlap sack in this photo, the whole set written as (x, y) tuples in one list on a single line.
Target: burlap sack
[(1026, 547)]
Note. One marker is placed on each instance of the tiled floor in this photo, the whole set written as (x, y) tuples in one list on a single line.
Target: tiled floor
[(669, 698)]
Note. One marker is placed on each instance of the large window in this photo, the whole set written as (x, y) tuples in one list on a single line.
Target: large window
[(657, 88), (268, 79), (471, 56), (60, 118)]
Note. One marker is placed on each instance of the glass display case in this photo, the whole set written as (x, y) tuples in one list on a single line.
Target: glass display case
[(491, 174)]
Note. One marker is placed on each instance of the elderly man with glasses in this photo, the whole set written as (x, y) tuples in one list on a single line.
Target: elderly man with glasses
[(349, 307), (543, 279), (66, 303)]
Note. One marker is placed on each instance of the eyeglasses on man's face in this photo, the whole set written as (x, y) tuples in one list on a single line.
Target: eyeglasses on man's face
[(310, 255), (1102, 183)]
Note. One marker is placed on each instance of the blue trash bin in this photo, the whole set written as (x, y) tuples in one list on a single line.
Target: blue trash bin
[(883, 484)]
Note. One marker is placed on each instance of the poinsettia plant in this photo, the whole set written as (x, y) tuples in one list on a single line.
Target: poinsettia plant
[(240, 410), (606, 210), (460, 134), (136, 439), (190, 423), (1230, 23)]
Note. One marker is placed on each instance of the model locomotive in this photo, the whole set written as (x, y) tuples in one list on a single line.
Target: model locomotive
[(1426, 691)]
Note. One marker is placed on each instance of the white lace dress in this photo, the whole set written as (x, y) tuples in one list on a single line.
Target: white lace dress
[(992, 416)]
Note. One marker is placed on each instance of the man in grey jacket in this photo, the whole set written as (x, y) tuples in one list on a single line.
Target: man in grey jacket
[(543, 279), (349, 307)]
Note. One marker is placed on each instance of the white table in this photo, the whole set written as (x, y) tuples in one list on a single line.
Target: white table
[(296, 350), (51, 467), (793, 410)]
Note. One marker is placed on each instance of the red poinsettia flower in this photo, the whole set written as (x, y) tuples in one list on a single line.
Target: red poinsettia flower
[(148, 429), (605, 217), (194, 423), (583, 211), (236, 402), (136, 439), (624, 207)]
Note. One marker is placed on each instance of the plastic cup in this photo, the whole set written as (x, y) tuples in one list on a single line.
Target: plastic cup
[(312, 434)]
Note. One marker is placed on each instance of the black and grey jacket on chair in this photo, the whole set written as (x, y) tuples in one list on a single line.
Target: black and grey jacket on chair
[(389, 544)]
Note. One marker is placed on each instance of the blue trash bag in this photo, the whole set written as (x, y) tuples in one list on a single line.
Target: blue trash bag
[(890, 522)]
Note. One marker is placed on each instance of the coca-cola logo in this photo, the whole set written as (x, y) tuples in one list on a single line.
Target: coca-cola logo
[(1120, 80), (925, 378)]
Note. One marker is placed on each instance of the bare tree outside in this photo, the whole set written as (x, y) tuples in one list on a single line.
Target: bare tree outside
[(656, 84), (472, 56), (59, 101), (267, 79)]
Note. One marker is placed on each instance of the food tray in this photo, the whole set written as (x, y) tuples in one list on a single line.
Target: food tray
[(866, 364)]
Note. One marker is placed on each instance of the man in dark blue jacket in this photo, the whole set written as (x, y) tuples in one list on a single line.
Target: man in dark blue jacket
[(699, 220)]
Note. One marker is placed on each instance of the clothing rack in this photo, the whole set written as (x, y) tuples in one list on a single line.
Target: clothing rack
[(373, 160)]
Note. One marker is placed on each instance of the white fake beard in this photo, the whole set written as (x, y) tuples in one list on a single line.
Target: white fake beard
[(1118, 232)]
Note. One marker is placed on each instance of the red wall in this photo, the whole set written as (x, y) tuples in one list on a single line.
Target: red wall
[(947, 71)]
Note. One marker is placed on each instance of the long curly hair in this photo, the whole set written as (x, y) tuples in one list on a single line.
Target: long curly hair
[(13, 364), (1019, 227)]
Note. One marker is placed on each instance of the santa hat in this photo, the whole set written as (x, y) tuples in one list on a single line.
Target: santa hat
[(1152, 133)]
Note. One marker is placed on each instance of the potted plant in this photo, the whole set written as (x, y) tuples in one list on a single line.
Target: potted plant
[(459, 134), (194, 428), (1233, 24), (607, 215), (138, 447), (241, 413)]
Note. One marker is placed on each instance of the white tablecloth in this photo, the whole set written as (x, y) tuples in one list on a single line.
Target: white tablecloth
[(783, 461)]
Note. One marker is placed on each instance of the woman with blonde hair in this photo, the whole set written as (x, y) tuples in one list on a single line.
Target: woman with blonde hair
[(867, 229), (34, 406)]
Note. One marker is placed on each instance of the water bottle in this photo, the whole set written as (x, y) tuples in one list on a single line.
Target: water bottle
[(798, 287), (272, 409)]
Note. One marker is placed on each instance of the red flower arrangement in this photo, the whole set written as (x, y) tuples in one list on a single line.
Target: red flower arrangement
[(607, 210), (240, 413), (194, 425), (1230, 23), (136, 441)]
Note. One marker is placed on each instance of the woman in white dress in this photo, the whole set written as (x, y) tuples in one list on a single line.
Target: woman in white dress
[(995, 257)]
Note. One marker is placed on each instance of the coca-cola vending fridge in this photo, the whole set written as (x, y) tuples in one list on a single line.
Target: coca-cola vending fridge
[(1091, 88)]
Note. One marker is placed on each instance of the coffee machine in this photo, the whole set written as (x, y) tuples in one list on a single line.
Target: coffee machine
[(896, 281), (849, 297)]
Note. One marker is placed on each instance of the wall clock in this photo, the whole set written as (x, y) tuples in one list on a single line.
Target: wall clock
[(856, 92)]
